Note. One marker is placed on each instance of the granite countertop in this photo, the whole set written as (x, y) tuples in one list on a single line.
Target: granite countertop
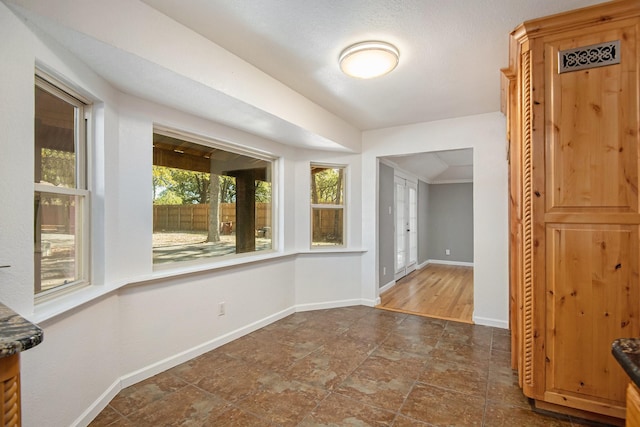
[(16, 333), (627, 353)]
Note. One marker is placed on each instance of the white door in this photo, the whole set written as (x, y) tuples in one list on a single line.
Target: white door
[(406, 226)]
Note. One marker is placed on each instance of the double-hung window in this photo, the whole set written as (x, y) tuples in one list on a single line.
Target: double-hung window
[(210, 199), (61, 196), (327, 205)]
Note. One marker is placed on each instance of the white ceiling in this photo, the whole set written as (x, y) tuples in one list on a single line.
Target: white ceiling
[(450, 51), (450, 56), (437, 167)]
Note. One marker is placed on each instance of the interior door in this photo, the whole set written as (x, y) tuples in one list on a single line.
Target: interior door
[(406, 226)]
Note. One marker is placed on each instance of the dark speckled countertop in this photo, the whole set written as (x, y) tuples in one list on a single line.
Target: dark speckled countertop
[(16, 333), (627, 353)]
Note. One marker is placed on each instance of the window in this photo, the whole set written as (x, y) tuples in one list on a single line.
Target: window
[(61, 198), (327, 205), (209, 200)]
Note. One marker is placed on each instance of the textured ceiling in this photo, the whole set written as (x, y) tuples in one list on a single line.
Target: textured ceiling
[(451, 51), (270, 67)]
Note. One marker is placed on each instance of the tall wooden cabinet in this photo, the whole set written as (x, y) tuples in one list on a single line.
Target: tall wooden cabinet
[(573, 107)]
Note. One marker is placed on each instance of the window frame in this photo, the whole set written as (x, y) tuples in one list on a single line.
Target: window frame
[(82, 124), (342, 206), (217, 143)]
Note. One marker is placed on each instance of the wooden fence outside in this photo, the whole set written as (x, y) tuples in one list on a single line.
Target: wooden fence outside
[(196, 217)]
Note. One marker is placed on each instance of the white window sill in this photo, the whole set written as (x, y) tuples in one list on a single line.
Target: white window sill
[(57, 306)]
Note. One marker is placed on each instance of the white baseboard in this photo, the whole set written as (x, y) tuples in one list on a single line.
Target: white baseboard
[(100, 403), (496, 323), (422, 265), (447, 262), (329, 304), (388, 286), (172, 361), (155, 368)]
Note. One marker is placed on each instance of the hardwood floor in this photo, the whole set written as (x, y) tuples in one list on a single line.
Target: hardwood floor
[(437, 290)]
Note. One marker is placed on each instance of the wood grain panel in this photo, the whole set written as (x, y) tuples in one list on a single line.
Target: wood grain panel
[(592, 152), (633, 406), (591, 300)]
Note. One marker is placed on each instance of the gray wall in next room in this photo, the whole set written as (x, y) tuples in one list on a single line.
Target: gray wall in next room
[(450, 223), (386, 257)]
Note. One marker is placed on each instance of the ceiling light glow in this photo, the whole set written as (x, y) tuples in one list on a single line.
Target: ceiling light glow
[(369, 59)]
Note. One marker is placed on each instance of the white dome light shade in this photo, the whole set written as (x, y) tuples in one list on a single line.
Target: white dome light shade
[(369, 59)]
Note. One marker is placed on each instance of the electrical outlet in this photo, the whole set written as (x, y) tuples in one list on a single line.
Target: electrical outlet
[(447, 251), (221, 309), (384, 271)]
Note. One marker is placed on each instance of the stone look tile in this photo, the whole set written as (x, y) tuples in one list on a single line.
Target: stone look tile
[(235, 417), (465, 334), (283, 401), (387, 363), (107, 417), (233, 383), (501, 415), (326, 367), (503, 387), (500, 359), (501, 342), (443, 407), (384, 379), (422, 326), (273, 355), (346, 366), (386, 393), (455, 375), (402, 421), (338, 410), (367, 334), (202, 366), (187, 406), (381, 319), (410, 343), (451, 349), (140, 395)]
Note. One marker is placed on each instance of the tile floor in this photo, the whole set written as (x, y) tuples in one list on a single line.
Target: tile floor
[(354, 366)]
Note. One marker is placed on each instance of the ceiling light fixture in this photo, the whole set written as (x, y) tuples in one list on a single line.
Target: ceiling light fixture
[(369, 59)]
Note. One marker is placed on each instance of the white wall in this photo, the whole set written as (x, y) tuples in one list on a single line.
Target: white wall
[(484, 133), (131, 324)]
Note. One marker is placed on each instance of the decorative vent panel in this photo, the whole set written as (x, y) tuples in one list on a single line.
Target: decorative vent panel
[(597, 55)]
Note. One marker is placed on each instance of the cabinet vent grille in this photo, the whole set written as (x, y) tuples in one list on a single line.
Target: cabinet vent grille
[(597, 55)]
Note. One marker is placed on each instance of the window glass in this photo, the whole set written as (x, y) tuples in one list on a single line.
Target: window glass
[(208, 201), (60, 193), (327, 205)]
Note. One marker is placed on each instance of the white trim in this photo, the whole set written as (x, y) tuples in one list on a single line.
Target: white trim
[(447, 262), (388, 286), (422, 265), (328, 304), (172, 361), (452, 181), (52, 189), (211, 142), (99, 404), (486, 321), (58, 306), (155, 368)]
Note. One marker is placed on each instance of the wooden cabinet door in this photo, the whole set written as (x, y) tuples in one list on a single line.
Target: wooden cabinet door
[(591, 220)]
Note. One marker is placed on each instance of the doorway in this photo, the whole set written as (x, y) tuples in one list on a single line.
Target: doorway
[(425, 234)]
